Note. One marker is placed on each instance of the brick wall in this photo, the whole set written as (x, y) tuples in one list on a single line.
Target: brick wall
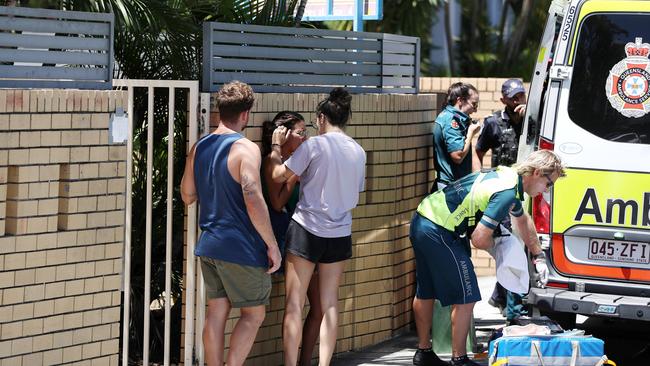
[(61, 227), (62, 214), (379, 281), (489, 101)]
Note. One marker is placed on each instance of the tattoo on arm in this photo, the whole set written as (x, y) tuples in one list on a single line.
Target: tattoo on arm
[(249, 185)]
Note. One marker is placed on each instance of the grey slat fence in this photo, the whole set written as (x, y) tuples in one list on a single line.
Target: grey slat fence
[(42, 48), (286, 59)]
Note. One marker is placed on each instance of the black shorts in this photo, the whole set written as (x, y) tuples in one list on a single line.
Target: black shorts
[(315, 249)]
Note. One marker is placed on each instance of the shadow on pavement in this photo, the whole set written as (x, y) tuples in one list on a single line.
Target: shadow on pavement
[(400, 350)]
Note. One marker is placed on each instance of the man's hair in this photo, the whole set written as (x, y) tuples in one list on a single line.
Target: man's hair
[(459, 91), (234, 98), (546, 161)]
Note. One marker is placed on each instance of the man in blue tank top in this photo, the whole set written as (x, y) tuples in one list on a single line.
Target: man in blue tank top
[(237, 248)]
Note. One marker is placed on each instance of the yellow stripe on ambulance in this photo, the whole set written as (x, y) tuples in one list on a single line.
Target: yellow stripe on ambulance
[(606, 6), (601, 198)]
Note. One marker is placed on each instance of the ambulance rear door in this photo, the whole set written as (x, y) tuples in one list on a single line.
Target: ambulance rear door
[(601, 211)]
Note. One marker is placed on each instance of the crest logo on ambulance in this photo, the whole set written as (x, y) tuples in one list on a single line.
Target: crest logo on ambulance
[(628, 84)]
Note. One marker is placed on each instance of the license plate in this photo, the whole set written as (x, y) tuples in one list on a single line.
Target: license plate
[(606, 309), (619, 251)]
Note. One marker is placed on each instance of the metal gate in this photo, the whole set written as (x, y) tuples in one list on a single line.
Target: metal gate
[(196, 127)]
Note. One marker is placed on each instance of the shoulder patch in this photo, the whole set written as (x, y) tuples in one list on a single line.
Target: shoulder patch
[(454, 124)]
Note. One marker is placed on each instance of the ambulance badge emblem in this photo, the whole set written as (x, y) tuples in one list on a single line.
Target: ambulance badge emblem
[(628, 84)]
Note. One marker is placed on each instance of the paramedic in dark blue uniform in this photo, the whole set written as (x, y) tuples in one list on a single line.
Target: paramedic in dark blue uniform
[(500, 133), (453, 131), (471, 207)]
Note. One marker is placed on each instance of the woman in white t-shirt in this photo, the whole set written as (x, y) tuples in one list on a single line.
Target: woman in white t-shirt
[(331, 167)]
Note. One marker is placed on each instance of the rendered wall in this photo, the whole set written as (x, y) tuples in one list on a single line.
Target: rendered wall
[(379, 281), (61, 227)]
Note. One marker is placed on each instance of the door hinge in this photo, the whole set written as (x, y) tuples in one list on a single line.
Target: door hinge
[(560, 72)]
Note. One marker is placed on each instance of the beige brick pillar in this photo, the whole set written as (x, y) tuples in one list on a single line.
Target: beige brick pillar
[(61, 227)]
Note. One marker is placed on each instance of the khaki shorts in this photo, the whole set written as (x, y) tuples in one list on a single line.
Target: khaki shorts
[(243, 285)]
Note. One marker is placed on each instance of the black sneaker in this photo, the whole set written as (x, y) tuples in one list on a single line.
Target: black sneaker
[(497, 303), (426, 357), (462, 361)]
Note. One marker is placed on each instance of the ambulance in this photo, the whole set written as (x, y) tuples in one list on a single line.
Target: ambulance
[(589, 101)]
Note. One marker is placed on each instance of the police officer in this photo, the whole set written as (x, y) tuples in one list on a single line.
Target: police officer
[(453, 131), (501, 133), (470, 207), (502, 129)]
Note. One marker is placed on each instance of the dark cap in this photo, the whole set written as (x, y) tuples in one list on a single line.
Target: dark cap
[(512, 87)]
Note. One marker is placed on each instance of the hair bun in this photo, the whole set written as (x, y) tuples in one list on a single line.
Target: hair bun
[(340, 96)]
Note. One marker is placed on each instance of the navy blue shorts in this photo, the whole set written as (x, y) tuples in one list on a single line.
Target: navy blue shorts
[(443, 268)]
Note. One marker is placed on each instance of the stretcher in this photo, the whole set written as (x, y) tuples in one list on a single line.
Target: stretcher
[(551, 350)]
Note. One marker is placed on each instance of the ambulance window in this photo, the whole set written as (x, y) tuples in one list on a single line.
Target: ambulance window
[(600, 51)]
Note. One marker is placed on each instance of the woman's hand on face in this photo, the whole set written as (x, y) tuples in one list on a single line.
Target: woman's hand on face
[(280, 135)]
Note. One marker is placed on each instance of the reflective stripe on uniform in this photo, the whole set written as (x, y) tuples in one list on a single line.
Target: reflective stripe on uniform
[(487, 196)]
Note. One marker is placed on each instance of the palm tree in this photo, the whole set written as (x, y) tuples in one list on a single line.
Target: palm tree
[(481, 49), (485, 50), (300, 12)]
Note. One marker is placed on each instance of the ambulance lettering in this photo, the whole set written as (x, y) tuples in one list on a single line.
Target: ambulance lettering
[(590, 206), (461, 215)]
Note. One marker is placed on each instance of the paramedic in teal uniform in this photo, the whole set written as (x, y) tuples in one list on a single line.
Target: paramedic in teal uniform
[(471, 207), (453, 131)]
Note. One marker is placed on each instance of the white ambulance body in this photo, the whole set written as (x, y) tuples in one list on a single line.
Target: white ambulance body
[(590, 103)]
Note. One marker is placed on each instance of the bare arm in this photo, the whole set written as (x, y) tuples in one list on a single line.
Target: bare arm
[(248, 155), (458, 156), (279, 172), (525, 228), (477, 163), (480, 155), (279, 193), (188, 187), (249, 178), (482, 237)]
